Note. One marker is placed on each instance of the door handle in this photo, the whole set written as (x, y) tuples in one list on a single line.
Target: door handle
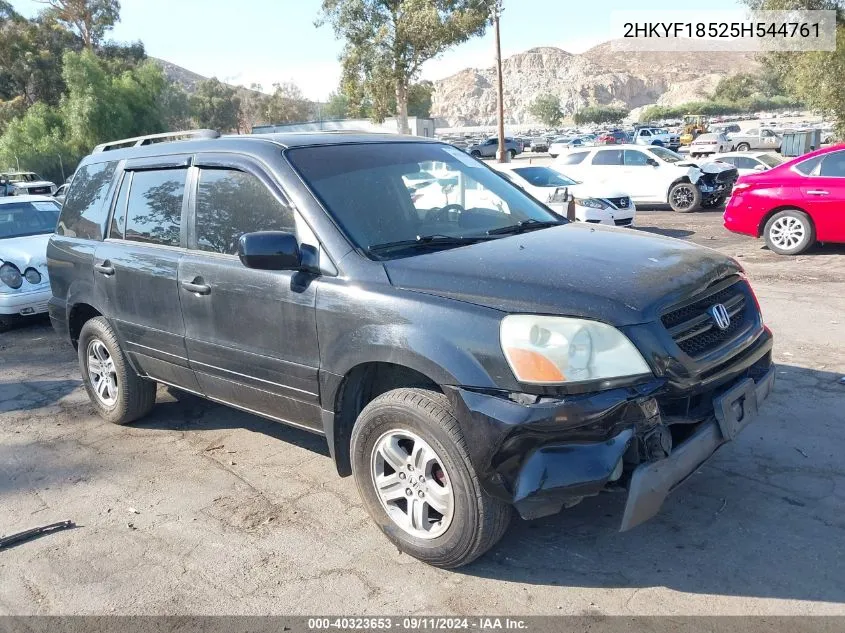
[(105, 268), (818, 192), (200, 289)]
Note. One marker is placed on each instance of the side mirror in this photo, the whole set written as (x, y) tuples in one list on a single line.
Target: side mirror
[(270, 250), (652, 162), (759, 168)]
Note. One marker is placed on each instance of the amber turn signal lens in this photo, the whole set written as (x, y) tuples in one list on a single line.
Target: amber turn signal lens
[(533, 367)]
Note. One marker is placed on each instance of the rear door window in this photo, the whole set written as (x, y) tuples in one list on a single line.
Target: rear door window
[(608, 157), (231, 203), (84, 211), (833, 165), (154, 207)]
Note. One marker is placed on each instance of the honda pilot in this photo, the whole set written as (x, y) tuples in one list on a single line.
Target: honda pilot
[(462, 360)]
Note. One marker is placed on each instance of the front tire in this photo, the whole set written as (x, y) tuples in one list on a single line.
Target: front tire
[(684, 197), (743, 147), (118, 393), (512, 154), (789, 232), (475, 153), (412, 469)]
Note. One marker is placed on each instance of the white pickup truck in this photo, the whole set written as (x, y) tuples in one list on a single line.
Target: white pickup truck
[(656, 136)]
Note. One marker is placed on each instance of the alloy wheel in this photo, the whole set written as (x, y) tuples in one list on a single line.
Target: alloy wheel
[(412, 484), (102, 372), (683, 197), (787, 233)]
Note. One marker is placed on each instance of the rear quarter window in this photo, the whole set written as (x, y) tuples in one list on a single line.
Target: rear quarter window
[(84, 211), (573, 158)]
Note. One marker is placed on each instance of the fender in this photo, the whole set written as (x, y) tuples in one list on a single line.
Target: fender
[(409, 346)]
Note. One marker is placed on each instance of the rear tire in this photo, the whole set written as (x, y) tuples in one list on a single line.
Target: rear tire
[(684, 197), (472, 521), (118, 393), (475, 153), (512, 153), (789, 232)]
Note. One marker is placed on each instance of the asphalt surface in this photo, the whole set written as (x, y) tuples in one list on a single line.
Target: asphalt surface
[(200, 509)]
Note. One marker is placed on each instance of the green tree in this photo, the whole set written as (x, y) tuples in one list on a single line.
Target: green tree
[(287, 105), (600, 115), (813, 77), (253, 105), (337, 106), (546, 108), (90, 19), (387, 41), (36, 141), (420, 98), (215, 105)]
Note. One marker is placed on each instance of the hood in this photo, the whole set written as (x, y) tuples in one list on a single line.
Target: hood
[(621, 277), (710, 167), (25, 252), (31, 185)]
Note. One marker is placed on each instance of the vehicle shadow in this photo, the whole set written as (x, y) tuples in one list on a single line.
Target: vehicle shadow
[(30, 395), (182, 411), (763, 518)]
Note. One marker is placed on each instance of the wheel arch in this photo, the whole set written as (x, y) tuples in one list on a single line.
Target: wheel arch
[(675, 182), (78, 315), (356, 389), (784, 207)]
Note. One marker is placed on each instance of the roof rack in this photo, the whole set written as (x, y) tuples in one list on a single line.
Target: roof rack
[(149, 139)]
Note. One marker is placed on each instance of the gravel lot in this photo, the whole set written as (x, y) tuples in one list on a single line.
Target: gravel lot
[(200, 509)]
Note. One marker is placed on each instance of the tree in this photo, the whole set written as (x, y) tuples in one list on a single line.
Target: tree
[(387, 41), (215, 105), (253, 104), (337, 106), (90, 19), (813, 77), (600, 114), (36, 141), (287, 105), (546, 108), (419, 99)]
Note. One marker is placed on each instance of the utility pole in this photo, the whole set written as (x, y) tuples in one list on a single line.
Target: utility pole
[(501, 155)]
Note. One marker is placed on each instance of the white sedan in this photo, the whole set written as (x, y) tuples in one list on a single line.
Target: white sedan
[(750, 162), (26, 223), (710, 143), (595, 203)]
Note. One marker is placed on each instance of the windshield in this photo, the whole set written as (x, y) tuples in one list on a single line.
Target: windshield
[(770, 160), (20, 219), (665, 154), (24, 177), (365, 188), (544, 177)]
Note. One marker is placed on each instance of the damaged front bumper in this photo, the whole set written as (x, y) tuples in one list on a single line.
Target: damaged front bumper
[(549, 454)]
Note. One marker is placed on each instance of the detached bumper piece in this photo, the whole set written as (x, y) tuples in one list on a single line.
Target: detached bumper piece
[(651, 483)]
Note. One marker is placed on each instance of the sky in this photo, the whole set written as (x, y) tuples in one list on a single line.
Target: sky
[(269, 41)]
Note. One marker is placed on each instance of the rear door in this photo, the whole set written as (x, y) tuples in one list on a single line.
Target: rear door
[(824, 195), (251, 334), (136, 267)]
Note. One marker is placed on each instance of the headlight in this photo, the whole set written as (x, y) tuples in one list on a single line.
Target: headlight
[(32, 276), (11, 276), (560, 350), (19, 191), (592, 203)]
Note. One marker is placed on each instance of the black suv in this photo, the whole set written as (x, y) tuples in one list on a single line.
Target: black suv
[(463, 349)]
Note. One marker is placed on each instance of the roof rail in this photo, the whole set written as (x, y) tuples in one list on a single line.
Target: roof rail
[(149, 139)]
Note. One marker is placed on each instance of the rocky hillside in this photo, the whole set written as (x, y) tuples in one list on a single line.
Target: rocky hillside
[(598, 76)]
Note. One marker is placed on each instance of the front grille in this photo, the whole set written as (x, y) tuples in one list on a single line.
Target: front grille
[(620, 203), (729, 175), (624, 222), (695, 331), (39, 190)]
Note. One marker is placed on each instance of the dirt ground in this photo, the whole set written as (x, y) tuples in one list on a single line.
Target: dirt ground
[(200, 509)]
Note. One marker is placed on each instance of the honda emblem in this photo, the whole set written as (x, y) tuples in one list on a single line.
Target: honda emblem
[(720, 316)]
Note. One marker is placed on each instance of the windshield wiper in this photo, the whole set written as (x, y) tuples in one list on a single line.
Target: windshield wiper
[(429, 241), (523, 226)]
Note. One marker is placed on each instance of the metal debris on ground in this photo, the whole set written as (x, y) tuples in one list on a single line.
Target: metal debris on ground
[(802, 452), (26, 535)]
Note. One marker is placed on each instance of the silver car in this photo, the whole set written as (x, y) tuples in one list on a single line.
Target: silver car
[(756, 138)]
